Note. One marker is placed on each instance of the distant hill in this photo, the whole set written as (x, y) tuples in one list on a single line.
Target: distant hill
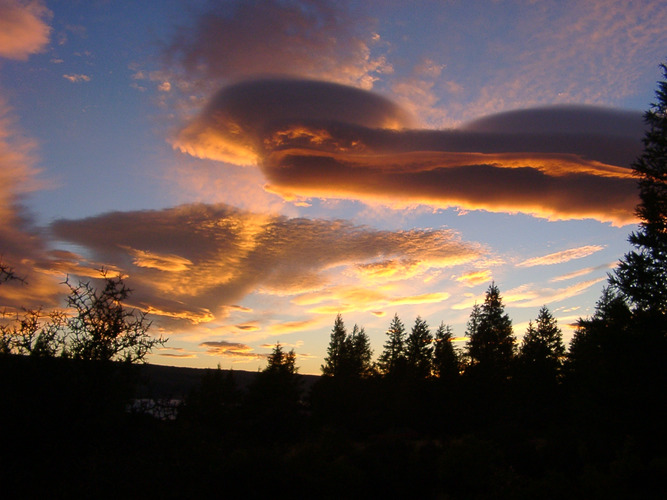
[(171, 382)]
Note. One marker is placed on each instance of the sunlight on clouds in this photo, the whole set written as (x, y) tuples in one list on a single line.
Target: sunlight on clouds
[(24, 28), (475, 278), (561, 257), (168, 262), (582, 272), (191, 265), (292, 327), (230, 349), (529, 296), (316, 139)]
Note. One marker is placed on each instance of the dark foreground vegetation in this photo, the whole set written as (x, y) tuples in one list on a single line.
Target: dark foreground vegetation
[(423, 420)]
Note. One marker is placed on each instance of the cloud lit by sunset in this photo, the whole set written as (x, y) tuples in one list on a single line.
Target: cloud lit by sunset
[(254, 168)]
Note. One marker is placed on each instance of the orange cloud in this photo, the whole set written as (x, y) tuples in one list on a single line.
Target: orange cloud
[(22, 246), (192, 264), (561, 257), (475, 278), (315, 139), (230, 350), (24, 28), (583, 272), (528, 296)]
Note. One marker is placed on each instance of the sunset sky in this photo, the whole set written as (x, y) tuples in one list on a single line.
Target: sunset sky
[(255, 167)]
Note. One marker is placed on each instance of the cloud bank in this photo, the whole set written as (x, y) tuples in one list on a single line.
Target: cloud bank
[(195, 262), (315, 139)]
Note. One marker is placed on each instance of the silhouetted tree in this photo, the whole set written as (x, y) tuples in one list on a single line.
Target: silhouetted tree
[(214, 402), (641, 275), (102, 328), (491, 341), (419, 350), (336, 351), (34, 333), (392, 360), (446, 363), (358, 354), (8, 274), (542, 344), (348, 356), (273, 399)]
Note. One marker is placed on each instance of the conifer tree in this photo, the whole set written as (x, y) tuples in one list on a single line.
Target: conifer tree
[(419, 350), (335, 351), (641, 276), (543, 342), (358, 354), (392, 359), (445, 358), (491, 341)]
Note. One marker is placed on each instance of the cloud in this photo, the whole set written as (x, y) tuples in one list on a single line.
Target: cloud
[(583, 272), (77, 78), (24, 28), (230, 349), (237, 40), (22, 245), (474, 278), (194, 263), (315, 139), (561, 257), (529, 296)]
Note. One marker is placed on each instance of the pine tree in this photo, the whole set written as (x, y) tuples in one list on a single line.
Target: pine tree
[(358, 354), (641, 276), (336, 349), (419, 350), (544, 341), (491, 341), (392, 360), (445, 358)]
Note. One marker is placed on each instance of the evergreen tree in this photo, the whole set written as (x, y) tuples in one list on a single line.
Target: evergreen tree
[(491, 341), (358, 354), (641, 276), (543, 342), (348, 356), (419, 350), (336, 350), (392, 360), (445, 358)]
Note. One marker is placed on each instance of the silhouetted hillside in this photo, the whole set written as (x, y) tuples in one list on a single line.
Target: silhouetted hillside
[(158, 381)]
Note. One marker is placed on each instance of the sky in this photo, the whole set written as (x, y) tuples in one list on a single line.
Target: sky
[(254, 168)]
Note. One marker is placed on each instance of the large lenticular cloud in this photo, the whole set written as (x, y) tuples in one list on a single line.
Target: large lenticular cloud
[(315, 139)]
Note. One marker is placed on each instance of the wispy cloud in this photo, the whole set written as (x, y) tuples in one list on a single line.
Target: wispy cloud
[(530, 296), (582, 272), (77, 77), (562, 256), (227, 349)]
